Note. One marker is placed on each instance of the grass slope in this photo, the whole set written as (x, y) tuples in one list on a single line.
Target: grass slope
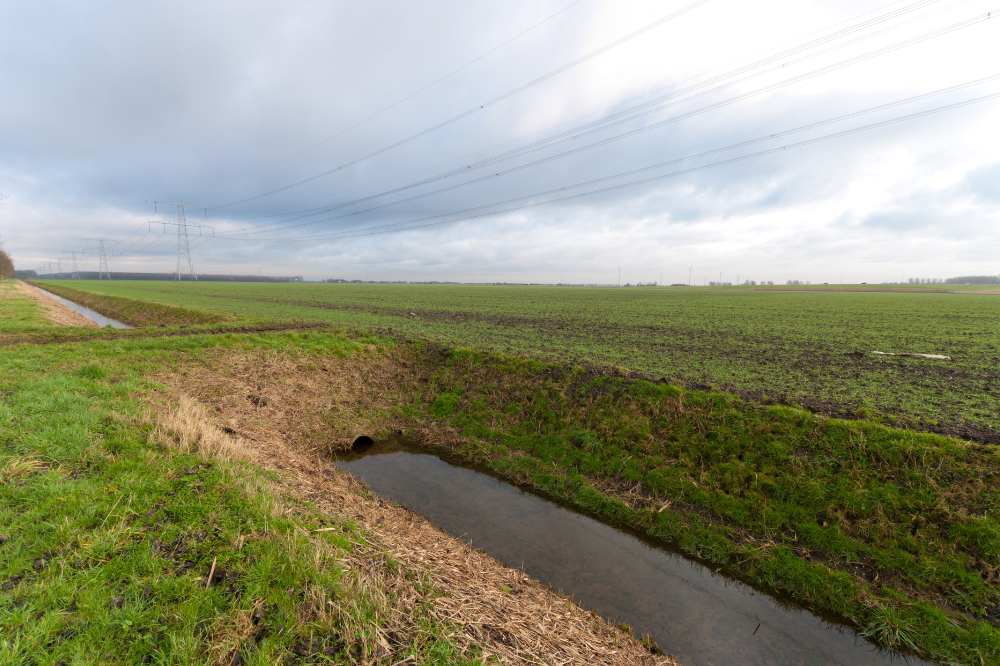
[(109, 539), (137, 312), (810, 347), (18, 312), (894, 530)]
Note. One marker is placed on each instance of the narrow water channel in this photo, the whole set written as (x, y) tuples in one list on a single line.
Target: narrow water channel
[(92, 315), (694, 613)]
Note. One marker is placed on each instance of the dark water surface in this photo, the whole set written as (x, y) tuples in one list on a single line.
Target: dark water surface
[(92, 315), (694, 613)]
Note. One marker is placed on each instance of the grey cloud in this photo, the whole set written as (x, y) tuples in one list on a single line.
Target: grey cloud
[(109, 104)]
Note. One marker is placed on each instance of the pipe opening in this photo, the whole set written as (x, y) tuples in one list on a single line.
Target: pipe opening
[(362, 443)]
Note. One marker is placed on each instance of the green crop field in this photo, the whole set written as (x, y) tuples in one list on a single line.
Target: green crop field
[(808, 345), (892, 531)]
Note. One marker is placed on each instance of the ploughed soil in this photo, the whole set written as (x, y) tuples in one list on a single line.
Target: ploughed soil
[(283, 416)]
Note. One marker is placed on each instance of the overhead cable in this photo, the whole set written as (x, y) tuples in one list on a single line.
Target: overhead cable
[(435, 220), (393, 105), (595, 126), (284, 224), (568, 122), (484, 105)]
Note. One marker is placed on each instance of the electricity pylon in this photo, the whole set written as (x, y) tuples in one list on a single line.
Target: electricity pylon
[(75, 275), (103, 267), (182, 224), (102, 252)]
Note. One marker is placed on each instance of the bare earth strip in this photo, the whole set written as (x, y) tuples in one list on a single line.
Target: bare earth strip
[(52, 309), (500, 609)]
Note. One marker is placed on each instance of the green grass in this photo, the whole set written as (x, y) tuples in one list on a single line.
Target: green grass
[(807, 346), (18, 313), (108, 538), (137, 312), (894, 530)]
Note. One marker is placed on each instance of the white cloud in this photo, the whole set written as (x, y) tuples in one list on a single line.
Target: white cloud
[(110, 104)]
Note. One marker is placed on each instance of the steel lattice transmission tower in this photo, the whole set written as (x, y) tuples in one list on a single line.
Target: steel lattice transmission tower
[(103, 269), (183, 242), (102, 251), (75, 275)]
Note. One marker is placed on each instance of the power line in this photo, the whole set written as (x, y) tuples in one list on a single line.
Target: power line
[(183, 242), (156, 241), (742, 144), (395, 104), (484, 105), (434, 220), (196, 244), (626, 101), (281, 225), (102, 252), (577, 133)]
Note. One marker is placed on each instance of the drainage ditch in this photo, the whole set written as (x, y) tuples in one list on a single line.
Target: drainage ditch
[(92, 315), (693, 612)]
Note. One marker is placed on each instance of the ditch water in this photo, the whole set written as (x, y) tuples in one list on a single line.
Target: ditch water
[(694, 613), (92, 315)]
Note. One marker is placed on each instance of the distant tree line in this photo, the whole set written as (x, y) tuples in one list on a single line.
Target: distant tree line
[(974, 279), (962, 279), (6, 263), (745, 283), (94, 275)]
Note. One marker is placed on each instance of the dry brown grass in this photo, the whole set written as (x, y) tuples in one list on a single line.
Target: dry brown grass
[(20, 468), (185, 427), (318, 407), (406, 566)]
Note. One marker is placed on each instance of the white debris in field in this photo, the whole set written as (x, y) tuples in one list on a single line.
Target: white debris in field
[(912, 355)]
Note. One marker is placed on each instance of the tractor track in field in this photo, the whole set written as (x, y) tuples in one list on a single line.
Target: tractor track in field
[(760, 353), (20, 339)]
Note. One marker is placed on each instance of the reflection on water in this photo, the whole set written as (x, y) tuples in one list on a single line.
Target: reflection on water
[(698, 615), (92, 315)]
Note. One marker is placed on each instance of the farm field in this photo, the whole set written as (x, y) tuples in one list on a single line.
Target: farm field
[(136, 530), (893, 532), (810, 345)]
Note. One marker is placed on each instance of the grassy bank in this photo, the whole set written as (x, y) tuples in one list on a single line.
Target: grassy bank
[(894, 530), (136, 312), (136, 530), (809, 348), (18, 312), (118, 549)]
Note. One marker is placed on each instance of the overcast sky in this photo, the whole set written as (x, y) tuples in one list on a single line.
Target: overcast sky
[(107, 105)]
